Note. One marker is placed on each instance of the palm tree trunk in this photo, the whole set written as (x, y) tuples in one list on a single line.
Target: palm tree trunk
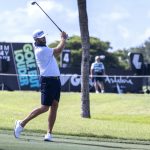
[(83, 20)]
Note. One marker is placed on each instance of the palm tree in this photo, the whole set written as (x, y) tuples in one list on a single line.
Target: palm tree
[(83, 21)]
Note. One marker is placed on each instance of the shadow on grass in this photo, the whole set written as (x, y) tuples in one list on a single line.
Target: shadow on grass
[(85, 143), (79, 141)]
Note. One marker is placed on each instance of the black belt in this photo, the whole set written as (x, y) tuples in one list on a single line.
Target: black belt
[(49, 77)]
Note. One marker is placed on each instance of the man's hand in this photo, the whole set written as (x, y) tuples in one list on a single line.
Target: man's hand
[(64, 36)]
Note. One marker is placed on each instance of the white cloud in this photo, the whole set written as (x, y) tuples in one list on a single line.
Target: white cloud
[(121, 22), (145, 35), (116, 15), (47, 6), (148, 14), (18, 25), (124, 32), (73, 15)]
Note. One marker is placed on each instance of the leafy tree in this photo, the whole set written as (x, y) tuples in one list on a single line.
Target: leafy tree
[(97, 47), (118, 59), (144, 49), (123, 58)]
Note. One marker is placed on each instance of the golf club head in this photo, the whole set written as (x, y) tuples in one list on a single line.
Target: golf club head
[(33, 3)]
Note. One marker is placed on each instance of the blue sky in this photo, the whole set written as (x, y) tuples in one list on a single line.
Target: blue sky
[(124, 23)]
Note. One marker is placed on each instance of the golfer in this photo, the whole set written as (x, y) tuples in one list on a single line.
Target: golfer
[(50, 82)]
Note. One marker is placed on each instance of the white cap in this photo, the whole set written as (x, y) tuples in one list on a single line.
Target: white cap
[(97, 57), (39, 34)]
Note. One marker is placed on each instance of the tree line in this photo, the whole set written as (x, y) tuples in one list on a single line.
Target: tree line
[(116, 59)]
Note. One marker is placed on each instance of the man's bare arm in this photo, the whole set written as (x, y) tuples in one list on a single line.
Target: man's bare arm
[(61, 45)]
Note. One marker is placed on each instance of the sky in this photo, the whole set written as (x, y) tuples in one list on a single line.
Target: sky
[(124, 23)]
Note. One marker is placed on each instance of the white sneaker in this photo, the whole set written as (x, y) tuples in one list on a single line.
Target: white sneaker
[(18, 129), (96, 91), (48, 137), (102, 91)]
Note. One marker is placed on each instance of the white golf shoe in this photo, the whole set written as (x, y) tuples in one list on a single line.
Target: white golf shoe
[(102, 91), (18, 129), (96, 91), (48, 137)]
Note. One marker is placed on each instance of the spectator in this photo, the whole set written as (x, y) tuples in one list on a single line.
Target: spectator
[(97, 71)]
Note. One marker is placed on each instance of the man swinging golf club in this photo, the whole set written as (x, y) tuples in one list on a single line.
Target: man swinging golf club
[(50, 82)]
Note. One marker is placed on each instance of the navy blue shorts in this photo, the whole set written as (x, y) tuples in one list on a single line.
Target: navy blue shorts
[(101, 79), (50, 90)]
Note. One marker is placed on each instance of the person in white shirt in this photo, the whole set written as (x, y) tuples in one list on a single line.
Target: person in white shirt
[(97, 71), (50, 82)]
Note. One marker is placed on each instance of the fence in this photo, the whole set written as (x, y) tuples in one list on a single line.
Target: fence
[(72, 83)]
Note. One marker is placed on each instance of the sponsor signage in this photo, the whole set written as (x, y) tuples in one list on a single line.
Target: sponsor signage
[(26, 65), (118, 84), (18, 60), (137, 63)]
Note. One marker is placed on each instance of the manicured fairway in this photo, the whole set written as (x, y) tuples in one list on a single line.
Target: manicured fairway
[(113, 116), (30, 142)]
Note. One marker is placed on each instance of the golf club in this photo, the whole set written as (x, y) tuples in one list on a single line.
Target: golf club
[(33, 3)]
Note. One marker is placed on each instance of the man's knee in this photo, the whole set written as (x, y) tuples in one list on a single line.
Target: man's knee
[(55, 104), (44, 108)]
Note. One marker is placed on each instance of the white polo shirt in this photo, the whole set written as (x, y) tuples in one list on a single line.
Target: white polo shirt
[(46, 61)]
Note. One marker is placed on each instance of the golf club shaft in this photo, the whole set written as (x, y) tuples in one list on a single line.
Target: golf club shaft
[(49, 17)]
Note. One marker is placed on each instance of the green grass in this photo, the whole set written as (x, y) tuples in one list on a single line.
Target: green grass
[(35, 142), (29, 142), (121, 116)]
